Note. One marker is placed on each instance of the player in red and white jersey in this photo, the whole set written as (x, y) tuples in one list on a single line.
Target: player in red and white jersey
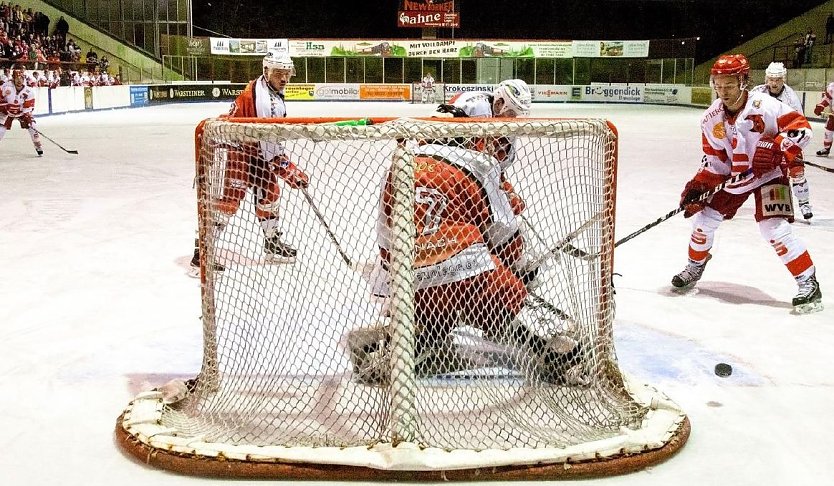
[(259, 166), (427, 89), (17, 102), (743, 132), (775, 86), (469, 264), (825, 102)]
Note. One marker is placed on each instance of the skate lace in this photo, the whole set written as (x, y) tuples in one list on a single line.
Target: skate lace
[(692, 271), (807, 287)]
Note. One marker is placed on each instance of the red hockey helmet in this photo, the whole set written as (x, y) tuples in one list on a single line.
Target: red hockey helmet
[(731, 64)]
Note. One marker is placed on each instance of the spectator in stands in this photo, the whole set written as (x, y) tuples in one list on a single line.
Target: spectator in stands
[(41, 24), (798, 52), (829, 29), (103, 64), (61, 29), (92, 57), (810, 40)]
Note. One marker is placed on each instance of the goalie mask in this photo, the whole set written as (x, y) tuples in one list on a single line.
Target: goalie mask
[(512, 98)]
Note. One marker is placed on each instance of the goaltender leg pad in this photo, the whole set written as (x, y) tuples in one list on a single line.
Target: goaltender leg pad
[(774, 201)]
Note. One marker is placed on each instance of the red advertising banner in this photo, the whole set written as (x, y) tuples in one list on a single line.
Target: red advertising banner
[(428, 13)]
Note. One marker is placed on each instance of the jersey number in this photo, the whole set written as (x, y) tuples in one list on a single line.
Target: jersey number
[(432, 203)]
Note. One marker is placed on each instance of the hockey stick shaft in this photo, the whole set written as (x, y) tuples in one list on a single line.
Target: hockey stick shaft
[(567, 248), (564, 245), (326, 226), (818, 166), (675, 211), (56, 143)]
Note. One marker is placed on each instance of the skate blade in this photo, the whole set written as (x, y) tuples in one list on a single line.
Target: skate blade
[(278, 260), (808, 308)]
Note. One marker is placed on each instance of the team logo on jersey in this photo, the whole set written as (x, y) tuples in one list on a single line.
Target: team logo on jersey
[(757, 104), (758, 123), (718, 130)]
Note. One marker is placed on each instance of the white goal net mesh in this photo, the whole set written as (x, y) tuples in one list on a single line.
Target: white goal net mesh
[(449, 304)]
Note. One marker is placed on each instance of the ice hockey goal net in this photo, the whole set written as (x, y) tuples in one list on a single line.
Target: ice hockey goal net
[(333, 366)]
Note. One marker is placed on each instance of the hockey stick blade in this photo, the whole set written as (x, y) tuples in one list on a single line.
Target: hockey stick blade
[(679, 209), (818, 166), (74, 152)]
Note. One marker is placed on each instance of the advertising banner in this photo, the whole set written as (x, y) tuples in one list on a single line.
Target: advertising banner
[(198, 46), (138, 95), (552, 92), (611, 48), (341, 92), (446, 48), (429, 13), (246, 47), (299, 92), (195, 92), (384, 92), (621, 94), (667, 94)]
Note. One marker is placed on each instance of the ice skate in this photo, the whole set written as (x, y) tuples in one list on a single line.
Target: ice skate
[(805, 208), (39, 152), (194, 267), (824, 152), (558, 363), (809, 297), (690, 275), (276, 251)]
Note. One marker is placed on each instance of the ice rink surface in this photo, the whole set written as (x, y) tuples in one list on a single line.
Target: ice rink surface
[(95, 304)]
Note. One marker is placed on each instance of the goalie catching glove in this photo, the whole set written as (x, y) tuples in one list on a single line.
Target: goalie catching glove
[(295, 177), (703, 182)]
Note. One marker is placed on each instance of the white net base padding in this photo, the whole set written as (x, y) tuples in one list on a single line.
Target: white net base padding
[(448, 315), (663, 432)]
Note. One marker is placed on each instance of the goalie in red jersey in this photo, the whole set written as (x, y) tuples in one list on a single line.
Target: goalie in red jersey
[(470, 269), (259, 166)]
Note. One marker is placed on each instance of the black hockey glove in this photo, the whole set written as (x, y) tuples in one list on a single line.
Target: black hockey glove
[(454, 110)]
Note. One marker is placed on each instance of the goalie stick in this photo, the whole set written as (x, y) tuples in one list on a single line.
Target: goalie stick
[(818, 166), (680, 208), (74, 152), (326, 226)]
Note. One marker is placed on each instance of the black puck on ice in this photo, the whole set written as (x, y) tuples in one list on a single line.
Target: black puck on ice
[(723, 369)]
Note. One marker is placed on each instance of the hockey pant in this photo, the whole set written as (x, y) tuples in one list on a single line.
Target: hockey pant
[(245, 170), (488, 301), (27, 122), (774, 213)]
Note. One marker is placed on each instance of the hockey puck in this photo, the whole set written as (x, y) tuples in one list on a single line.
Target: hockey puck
[(723, 370)]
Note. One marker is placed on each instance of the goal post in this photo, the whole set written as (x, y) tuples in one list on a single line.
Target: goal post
[(449, 313)]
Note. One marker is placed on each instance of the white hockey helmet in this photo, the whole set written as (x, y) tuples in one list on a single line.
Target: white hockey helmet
[(279, 60), (776, 70), (516, 98)]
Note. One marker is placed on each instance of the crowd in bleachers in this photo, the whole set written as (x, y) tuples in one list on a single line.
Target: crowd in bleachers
[(50, 59)]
